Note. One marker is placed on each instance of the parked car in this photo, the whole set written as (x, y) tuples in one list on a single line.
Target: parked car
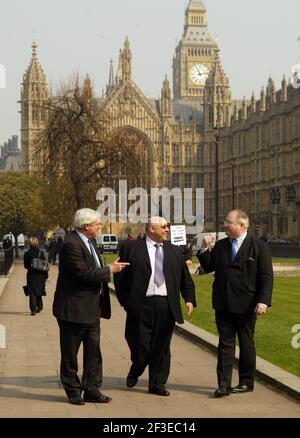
[(107, 243)]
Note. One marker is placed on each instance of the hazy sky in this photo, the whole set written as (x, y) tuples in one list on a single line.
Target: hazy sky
[(257, 39)]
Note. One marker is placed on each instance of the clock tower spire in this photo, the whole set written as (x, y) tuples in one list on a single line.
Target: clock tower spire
[(194, 55)]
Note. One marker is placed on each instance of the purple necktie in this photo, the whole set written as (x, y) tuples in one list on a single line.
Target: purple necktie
[(159, 277)]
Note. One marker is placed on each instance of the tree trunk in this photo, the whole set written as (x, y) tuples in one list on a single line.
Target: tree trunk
[(78, 198)]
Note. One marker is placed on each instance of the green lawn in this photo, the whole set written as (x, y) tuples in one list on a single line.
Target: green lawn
[(108, 258), (280, 260), (274, 260), (273, 330)]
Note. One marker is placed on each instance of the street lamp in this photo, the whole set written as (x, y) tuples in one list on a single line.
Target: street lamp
[(217, 130), (233, 163), (217, 137)]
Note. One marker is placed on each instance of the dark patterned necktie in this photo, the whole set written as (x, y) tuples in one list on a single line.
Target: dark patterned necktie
[(159, 277), (98, 265), (94, 255)]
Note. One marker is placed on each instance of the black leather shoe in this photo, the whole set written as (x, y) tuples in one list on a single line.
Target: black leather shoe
[(76, 400), (159, 391), (96, 397), (131, 381), (241, 388), (222, 391)]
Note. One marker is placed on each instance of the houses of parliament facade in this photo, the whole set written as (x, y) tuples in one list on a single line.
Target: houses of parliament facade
[(257, 140)]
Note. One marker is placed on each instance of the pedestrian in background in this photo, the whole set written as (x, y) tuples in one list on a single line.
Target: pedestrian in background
[(36, 280), (188, 254)]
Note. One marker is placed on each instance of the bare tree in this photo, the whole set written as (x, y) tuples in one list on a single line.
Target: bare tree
[(76, 151)]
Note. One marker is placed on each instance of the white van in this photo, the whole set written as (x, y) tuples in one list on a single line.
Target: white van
[(21, 241), (107, 243), (197, 241), (11, 237)]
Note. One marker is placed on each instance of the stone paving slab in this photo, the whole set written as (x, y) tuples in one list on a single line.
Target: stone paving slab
[(29, 372)]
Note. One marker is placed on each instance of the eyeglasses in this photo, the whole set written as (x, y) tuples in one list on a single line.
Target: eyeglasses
[(227, 222)]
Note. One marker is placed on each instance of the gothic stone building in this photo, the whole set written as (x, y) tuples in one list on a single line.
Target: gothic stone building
[(258, 141)]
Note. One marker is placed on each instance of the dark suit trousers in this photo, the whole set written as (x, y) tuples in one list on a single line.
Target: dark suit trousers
[(149, 339), (71, 337), (229, 325)]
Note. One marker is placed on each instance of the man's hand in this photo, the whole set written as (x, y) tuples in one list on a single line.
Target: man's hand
[(189, 308), (260, 309), (207, 242), (117, 266)]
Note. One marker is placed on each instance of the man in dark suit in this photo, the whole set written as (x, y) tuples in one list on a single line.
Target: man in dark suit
[(149, 290), (242, 289), (81, 297)]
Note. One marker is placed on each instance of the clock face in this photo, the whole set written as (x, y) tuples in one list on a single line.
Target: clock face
[(199, 74)]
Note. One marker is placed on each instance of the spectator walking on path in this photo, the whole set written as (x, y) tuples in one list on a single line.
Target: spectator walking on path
[(36, 280)]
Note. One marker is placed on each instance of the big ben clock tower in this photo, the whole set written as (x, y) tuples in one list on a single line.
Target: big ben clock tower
[(195, 54)]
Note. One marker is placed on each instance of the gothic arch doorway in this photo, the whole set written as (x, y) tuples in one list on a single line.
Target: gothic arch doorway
[(137, 163)]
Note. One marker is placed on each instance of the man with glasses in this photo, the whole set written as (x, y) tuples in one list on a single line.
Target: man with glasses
[(149, 290), (242, 289)]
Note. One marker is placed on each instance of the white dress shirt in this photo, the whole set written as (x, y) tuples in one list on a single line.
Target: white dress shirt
[(240, 241), (86, 242), (153, 289)]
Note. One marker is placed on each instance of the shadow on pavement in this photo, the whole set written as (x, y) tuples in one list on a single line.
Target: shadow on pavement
[(109, 383)]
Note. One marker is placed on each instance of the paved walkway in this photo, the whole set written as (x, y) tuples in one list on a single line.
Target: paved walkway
[(29, 372)]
